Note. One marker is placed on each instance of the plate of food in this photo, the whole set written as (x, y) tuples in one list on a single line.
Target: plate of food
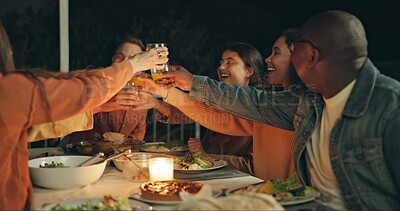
[(105, 203), (195, 163), (161, 147), (167, 192), (286, 192), (108, 143), (45, 152)]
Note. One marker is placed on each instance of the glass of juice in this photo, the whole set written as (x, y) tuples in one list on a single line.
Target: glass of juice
[(155, 74), (136, 82)]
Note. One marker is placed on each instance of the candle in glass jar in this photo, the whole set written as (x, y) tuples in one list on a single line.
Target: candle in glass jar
[(161, 169)]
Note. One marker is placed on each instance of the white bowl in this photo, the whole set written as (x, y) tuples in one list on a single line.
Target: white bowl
[(65, 178)]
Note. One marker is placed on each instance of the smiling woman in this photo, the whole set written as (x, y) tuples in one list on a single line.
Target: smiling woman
[(241, 64)]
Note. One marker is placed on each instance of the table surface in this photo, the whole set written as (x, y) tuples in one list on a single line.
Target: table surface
[(114, 183)]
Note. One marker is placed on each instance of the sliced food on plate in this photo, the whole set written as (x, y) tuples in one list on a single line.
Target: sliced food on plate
[(287, 192)]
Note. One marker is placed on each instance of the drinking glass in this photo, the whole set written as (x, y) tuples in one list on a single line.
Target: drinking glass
[(132, 86), (155, 74), (138, 84)]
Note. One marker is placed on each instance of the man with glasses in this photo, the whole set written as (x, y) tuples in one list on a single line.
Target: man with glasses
[(347, 121)]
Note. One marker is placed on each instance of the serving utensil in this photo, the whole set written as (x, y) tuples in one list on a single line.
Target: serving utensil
[(89, 161), (111, 157)]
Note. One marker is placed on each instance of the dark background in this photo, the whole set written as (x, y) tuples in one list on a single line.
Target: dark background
[(194, 31)]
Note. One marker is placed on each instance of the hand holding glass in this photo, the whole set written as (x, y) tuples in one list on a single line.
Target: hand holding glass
[(155, 73), (138, 84)]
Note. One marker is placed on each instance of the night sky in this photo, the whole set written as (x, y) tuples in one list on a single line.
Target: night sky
[(194, 30), (257, 22)]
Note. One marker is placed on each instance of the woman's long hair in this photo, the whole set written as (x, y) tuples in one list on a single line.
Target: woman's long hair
[(251, 58), (7, 67), (291, 35), (6, 58)]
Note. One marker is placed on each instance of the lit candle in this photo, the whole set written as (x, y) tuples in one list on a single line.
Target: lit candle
[(161, 169)]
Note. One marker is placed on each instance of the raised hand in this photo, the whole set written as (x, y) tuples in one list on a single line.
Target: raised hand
[(155, 58), (123, 100), (151, 87), (145, 101), (182, 77)]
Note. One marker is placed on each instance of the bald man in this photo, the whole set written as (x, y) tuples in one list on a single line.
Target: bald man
[(347, 121)]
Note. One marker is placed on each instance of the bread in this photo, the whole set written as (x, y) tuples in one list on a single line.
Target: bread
[(168, 190), (115, 138), (245, 201)]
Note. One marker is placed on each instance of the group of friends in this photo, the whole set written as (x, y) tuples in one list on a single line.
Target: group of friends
[(317, 108)]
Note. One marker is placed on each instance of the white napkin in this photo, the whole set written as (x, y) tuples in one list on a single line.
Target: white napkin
[(205, 192)]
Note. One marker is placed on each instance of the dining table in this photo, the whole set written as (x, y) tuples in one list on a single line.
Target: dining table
[(113, 183)]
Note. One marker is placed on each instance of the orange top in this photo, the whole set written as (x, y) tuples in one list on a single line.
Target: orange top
[(22, 105), (272, 147), (130, 123)]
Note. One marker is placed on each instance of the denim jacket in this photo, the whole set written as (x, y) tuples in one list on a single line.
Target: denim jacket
[(364, 143)]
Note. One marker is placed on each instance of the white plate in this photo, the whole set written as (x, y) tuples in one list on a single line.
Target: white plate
[(298, 200), (314, 194), (218, 164), (51, 151), (137, 196), (77, 202)]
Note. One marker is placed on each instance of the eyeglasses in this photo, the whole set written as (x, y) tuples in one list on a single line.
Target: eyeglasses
[(305, 41)]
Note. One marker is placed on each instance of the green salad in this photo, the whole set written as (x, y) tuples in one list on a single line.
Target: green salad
[(53, 165), (193, 162), (108, 203)]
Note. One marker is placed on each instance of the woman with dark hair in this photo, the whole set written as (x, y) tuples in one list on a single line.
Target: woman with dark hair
[(272, 146), (35, 97), (240, 64)]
